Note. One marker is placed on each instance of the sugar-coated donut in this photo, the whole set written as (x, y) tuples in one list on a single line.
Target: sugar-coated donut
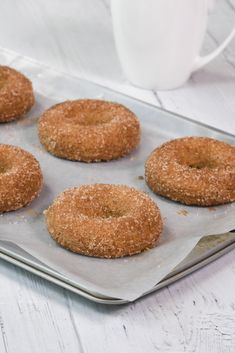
[(20, 178), (193, 170), (89, 130), (104, 220), (16, 94)]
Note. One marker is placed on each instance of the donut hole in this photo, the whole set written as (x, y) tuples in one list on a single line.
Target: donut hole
[(6, 161), (4, 167), (100, 212), (201, 164), (3, 80), (97, 208), (112, 213), (93, 118), (197, 159)]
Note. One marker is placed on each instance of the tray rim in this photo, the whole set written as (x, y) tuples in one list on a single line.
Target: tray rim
[(40, 271), (60, 72)]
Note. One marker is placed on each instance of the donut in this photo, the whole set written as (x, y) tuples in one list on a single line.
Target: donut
[(104, 220), (16, 94), (20, 178), (89, 130), (193, 170)]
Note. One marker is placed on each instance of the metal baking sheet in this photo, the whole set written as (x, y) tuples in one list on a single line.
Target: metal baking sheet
[(128, 278), (207, 250)]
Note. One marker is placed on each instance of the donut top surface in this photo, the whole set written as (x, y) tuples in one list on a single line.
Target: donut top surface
[(16, 94), (193, 170), (12, 157), (88, 112), (199, 154), (20, 177), (102, 202), (104, 220), (89, 130)]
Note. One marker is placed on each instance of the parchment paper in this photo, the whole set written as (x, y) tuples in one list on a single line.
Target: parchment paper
[(125, 278)]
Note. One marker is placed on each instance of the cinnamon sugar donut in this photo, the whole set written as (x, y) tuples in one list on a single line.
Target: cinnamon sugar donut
[(20, 178), (89, 130), (193, 170), (104, 220), (16, 94)]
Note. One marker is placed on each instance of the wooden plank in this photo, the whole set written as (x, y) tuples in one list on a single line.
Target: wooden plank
[(192, 315), (34, 315)]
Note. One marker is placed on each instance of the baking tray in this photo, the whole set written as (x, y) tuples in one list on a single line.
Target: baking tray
[(208, 249)]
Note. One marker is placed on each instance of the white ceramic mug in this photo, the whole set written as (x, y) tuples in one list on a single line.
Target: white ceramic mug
[(159, 41)]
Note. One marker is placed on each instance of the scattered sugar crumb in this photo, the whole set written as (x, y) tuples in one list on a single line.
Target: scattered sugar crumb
[(183, 212), (33, 212), (211, 209), (26, 121)]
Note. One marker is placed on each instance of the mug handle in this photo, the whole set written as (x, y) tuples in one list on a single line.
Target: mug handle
[(203, 60)]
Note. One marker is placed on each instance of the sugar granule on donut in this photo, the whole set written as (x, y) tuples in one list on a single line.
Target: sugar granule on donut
[(20, 178), (16, 94), (104, 220), (89, 130), (193, 170)]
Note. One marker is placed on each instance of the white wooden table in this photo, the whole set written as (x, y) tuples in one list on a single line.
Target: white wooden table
[(196, 314)]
